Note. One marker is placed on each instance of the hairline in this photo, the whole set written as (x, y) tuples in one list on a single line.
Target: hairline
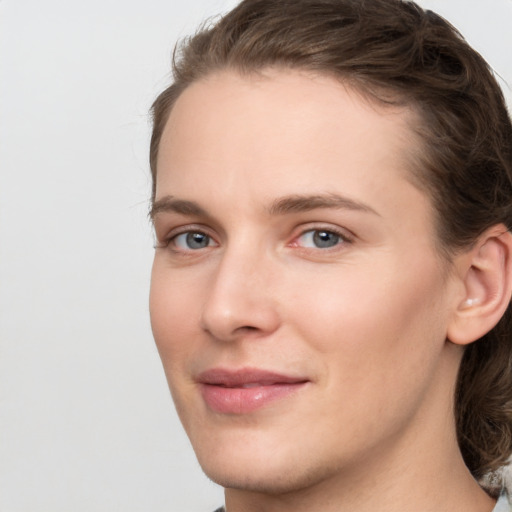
[(376, 95)]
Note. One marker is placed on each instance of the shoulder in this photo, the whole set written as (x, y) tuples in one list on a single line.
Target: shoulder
[(503, 504)]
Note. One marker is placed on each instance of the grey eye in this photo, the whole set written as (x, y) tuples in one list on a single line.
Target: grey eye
[(320, 239), (192, 240), (325, 239)]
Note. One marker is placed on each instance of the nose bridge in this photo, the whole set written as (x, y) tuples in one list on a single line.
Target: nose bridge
[(240, 297)]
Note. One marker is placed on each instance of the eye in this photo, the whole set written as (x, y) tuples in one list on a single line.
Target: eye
[(320, 239), (192, 240)]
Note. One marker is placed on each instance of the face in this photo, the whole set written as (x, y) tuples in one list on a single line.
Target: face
[(297, 301)]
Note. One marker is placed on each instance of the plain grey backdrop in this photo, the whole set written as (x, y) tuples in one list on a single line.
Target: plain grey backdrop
[(86, 420)]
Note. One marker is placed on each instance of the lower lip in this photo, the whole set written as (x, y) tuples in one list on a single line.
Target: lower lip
[(245, 400)]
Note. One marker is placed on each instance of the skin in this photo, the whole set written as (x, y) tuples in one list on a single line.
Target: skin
[(365, 320)]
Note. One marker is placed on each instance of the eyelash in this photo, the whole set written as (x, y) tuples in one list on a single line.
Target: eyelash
[(343, 237), (170, 239), (170, 242)]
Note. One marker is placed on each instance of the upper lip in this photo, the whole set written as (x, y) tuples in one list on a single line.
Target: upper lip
[(246, 376)]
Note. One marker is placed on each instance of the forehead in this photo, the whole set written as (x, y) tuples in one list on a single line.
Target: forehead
[(281, 127)]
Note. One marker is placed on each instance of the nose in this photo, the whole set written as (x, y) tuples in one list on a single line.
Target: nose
[(242, 300)]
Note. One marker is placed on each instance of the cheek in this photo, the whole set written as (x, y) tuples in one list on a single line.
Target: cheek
[(171, 305), (380, 337), (369, 319), (174, 324)]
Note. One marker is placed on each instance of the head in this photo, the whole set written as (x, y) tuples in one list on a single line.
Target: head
[(396, 57)]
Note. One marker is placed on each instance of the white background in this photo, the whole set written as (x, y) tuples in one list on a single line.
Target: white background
[(86, 421)]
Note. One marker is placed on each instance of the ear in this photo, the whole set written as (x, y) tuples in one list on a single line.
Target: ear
[(486, 273)]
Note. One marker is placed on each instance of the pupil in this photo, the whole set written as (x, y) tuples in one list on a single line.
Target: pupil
[(325, 239), (197, 240)]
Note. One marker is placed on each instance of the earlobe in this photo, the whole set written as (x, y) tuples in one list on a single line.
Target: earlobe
[(487, 281)]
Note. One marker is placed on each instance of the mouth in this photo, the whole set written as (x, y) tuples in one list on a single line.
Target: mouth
[(246, 390)]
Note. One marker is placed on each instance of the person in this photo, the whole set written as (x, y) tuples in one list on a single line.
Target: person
[(332, 184)]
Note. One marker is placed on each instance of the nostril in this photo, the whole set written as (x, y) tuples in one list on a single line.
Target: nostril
[(247, 329)]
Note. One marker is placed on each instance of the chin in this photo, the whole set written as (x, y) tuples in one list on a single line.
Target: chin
[(262, 480), (270, 472)]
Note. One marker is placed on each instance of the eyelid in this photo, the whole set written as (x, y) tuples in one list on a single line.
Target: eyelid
[(346, 236), (166, 240)]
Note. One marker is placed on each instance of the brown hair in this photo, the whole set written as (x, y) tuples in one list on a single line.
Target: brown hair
[(395, 51)]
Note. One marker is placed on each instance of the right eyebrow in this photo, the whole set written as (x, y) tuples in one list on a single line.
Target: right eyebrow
[(181, 206)]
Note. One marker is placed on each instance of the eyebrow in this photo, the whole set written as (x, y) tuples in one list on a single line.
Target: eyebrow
[(305, 203), (181, 206), (290, 204)]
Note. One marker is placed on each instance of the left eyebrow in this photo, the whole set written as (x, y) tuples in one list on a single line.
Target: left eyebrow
[(305, 203)]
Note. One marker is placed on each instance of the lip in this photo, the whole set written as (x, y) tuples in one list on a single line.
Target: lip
[(245, 390)]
